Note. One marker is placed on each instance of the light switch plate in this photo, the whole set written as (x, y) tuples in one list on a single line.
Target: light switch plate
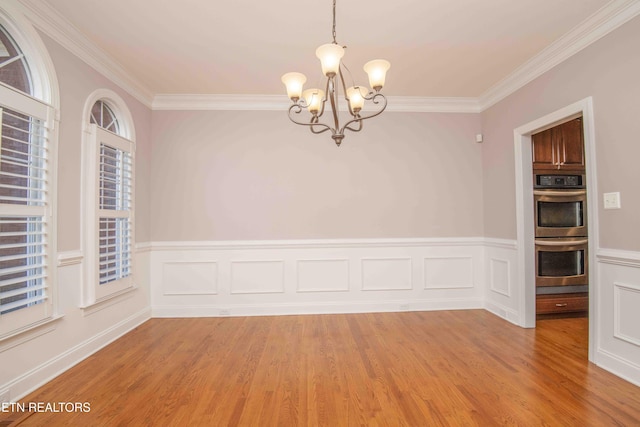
[(612, 200)]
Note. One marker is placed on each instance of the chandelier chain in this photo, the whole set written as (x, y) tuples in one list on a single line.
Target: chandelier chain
[(334, 22)]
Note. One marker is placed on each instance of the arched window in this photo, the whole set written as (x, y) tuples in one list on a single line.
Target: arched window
[(27, 188), (109, 203), (13, 65), (103, 116)]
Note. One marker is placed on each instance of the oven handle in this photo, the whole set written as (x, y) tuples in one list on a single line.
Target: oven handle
[(559, 193), (562, 243)]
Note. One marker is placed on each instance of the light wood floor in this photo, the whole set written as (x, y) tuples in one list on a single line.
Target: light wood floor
[(445, 368)]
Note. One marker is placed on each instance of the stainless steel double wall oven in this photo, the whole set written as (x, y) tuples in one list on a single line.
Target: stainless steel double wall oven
[(560, 212)]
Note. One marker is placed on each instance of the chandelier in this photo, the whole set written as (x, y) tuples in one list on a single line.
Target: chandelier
[(314, 100)]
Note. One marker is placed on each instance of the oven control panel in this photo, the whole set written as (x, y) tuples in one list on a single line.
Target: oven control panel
[(559, 181)]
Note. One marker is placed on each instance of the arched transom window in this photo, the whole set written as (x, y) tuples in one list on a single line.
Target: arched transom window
[(103, 116), (14, 70)]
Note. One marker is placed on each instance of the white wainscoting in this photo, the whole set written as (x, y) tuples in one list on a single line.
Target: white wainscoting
[(257, 277), (448, 272), (386, 274), (626, 300), (322, 275), (319, 276), (502, 290), (190, 278), (618, 313)]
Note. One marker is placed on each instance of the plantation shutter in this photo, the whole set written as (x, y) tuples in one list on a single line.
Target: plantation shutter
[(24, 212), (114, 214)]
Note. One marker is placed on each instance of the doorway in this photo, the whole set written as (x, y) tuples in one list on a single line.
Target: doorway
[(525, 212)]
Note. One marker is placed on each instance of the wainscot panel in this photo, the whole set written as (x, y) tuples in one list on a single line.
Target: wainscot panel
[(625, 306), (190, 278), (257, 277), (501, 290), (323, 275), (500, 276), (316, 276), (386, 274), (448, 273), (617, 314)]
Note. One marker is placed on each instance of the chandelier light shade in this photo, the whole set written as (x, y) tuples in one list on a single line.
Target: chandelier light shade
[(314, 100), (377, 71), (356, 95), (294, 83), (330, 56)]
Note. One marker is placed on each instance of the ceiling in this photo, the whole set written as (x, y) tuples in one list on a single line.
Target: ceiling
[(437, 48)]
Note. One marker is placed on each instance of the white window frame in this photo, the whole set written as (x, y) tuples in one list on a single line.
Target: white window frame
[(42, 105), (25, 318), (94, 293)]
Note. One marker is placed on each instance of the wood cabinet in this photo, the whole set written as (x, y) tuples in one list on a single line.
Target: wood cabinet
[(562, 303), (559, 148)]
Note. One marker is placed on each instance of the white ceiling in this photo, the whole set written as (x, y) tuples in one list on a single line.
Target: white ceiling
[(437, 48)]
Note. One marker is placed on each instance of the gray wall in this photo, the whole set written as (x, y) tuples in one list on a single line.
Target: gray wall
[(609, 71), (231, 175)]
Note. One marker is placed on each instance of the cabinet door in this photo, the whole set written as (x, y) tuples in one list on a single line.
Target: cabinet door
[(544, 150), (571, 146)]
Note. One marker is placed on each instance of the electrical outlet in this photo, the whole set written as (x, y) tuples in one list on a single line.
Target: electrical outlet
[(404, 307), (224, 313), (612, 200)]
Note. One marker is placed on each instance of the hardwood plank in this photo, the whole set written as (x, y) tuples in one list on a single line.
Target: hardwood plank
[(397, 369)]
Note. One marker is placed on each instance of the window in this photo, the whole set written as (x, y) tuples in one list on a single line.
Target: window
[(109, 161), (13, 66), (103, 116), (26, 188)]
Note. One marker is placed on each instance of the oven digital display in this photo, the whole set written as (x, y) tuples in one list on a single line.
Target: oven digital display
[(558, 181)]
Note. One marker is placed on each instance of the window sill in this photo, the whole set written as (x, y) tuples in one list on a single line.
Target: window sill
[(108, 301), (28, 333)]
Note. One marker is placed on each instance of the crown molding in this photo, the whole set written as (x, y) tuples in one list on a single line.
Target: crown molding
[(415, 104), (281, 103), (56, 26), (220, 102), (601, 23), (607, 19)]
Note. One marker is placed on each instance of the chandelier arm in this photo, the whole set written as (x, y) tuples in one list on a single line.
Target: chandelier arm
[(332, 95), (357, 120), (326, 128), (297, 109), (371, 97), (315, 120), (344, 91), (324, 101)]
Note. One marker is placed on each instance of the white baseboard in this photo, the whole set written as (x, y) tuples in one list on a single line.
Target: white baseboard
[(502, 311), (314, 308), (623, 368)]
